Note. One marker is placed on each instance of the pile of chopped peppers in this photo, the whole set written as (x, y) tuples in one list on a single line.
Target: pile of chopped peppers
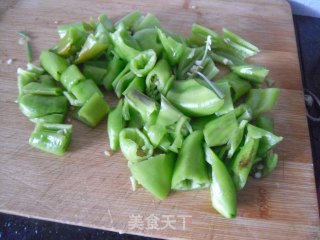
[(179, 126)]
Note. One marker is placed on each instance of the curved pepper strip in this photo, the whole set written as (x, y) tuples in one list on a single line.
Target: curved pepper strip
[(236, 138), (95, 70), (115, 125), (242, 163), (147, 107), (172, 48), (51, 118), (169, 121), (159, 80), (182, 96), (143, 62), (134, 145), (239, 86), (146, 22), (114, 68), (94, 44), (155, 174), (52, 138), (222, 43), (148, 39), (219, 131), (228, 104), (237, 39), (41, 89), (200, 122), (123, 44), (129, 20), (138, 84), (190, 170), (34, 106), (253, 73), (53, 64), (72, 42), (262, 100), (222, 189), (25, 77), (188, 60), (267, 139)]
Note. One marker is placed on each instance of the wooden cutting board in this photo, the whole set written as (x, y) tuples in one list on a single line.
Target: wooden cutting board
[(87, 188)]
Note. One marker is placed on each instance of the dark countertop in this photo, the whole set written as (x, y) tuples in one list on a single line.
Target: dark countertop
[(308, 38)]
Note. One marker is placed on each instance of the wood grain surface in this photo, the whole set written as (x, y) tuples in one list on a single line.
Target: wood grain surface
[(86, 188)]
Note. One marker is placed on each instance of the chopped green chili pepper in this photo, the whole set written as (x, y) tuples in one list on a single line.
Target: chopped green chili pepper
[(135, 120), (270, 162), (121, 83), (91, 48), (146, 106), (253, 73), (243, 161), (172, 48), (239, 86), (114, 68), (81, 26), (148, 39), (218, 131), (200, 122), (187, 60), (52, 138), (106, 22), (72, 42), (237, 39), (262, 100), (236, 139), (94, 72), (182, 95), (138, 84), (41, 89), (124, 45), (34, 106), (47, 80), (134, 145), (265, 123), (155, 174), (223, 192), (169, 121), (115, 125), (159, 80), (267, 139), (83, 90), (51, 118), (53, 64), (71, 76), (25, 77), (146, 22), (227, 105), (143, 63), (93, 111), (190, 170), (129, 20), (72, 99)]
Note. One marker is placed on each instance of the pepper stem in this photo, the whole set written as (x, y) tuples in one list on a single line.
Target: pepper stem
[(26, 41)]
